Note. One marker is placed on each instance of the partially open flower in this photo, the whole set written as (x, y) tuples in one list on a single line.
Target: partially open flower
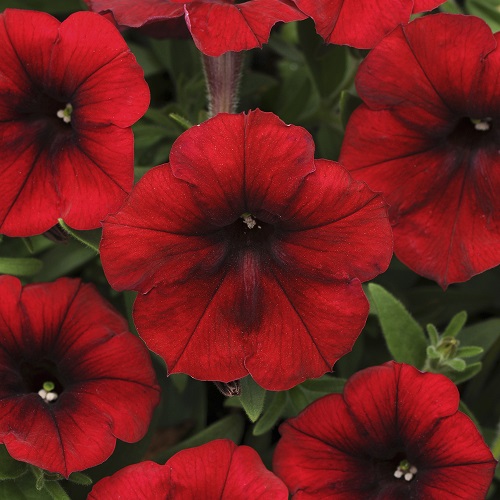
[(395, 433), (72, 378), (248, 254), (218, 469), (217, 26), (428, 138), (361, 23), (69, 94)]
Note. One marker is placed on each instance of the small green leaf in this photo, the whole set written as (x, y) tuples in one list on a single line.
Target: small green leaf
[(272, 414), (469, 372), (180, 381), (433, 334), (20, 267), (39, 477), (405, 338), (483, 334), (456, 324), (252, 398), (55, 490), (456, 364), (432, 352), (469, 352), (10, 468), (90, 239), (230, 427), (80, 478)]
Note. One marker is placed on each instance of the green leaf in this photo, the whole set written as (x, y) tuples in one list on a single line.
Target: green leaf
[(80, 478), (230, 427), (272, 413), (432, 352), (10, 468), (456, 324), (405, 338), (20, 267), (469, 372), (348, 103), (180, 120), (326, 384), (488, 10), (469, 352), (298, 398), (252, 398), (180, 381)]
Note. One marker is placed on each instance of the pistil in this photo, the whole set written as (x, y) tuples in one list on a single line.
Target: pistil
[(47, 392), (406, 470), (65, 114)]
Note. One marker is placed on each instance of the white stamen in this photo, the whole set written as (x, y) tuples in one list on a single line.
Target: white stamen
[(48, 396), (250, 221), (408, 476), (398, 473), (406, 470), (65, 114), (482, 124), (413, 470)]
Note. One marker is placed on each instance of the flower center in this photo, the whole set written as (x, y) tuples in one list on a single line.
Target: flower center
[(42, 377), (250, 221), (405, 470), (65, 114), (47, 392), (482, 125)]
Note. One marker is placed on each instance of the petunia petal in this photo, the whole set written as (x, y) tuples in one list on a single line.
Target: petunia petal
[(183, 241), (234, 161), (332, 210)]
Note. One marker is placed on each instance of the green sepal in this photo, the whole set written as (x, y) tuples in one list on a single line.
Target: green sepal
[(180, 120), (469, 351), (55, 490), (405, 338), (456, 364), (252, 398), (456, 324), (433, 334), (80, 478)]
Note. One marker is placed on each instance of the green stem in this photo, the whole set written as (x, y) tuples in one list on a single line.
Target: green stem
[(78, 236)]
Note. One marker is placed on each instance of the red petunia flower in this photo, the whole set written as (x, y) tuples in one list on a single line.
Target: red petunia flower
[(68, 95), (73, 379), (247, 253), (218, 469), (361, 23), (428, 137), (217, 26), (395, 433)]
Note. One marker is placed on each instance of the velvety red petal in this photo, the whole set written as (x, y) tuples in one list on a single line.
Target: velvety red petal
[(234, 162), (103, 397), (426, 5), (221, 27), (487, 100), (190, 325), (142, 481), (95, 173), (458, 463), (295, 342), (420, 399), (323, 453), (159, 235), (335, 227), (358, 23), (25, 209), (402, 71), (91, 87), (440, 193), (135, 14), (220, 469), (33, 36)]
